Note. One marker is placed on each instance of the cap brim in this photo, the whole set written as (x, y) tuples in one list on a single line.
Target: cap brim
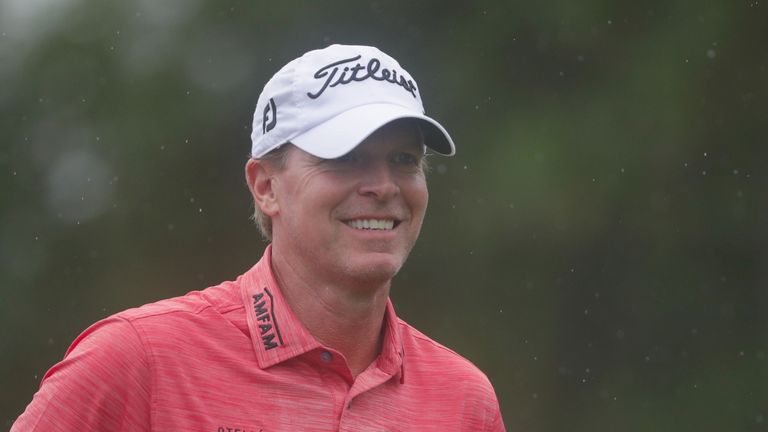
[(340, 134)]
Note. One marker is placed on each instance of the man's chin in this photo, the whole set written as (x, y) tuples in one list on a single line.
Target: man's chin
[(380, 268)]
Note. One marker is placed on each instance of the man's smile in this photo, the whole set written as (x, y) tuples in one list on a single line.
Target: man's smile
[(373, 224)]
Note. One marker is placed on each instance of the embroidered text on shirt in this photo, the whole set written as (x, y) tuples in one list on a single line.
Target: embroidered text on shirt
[(265, 314)]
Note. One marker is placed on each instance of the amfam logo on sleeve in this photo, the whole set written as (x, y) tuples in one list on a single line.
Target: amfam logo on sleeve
[(263, 305)]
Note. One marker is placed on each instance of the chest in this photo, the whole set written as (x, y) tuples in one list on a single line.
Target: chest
[(218, 389)]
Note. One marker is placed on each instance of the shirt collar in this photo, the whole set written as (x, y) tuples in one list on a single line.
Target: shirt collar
[(392, 357), (278, 335)]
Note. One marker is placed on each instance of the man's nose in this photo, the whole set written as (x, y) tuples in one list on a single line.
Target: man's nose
[(379, 181)]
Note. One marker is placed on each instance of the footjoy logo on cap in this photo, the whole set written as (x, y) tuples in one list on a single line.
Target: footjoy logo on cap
[(271, 108), (373, 67)]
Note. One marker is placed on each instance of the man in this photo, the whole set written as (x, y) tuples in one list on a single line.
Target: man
[(306, 340)]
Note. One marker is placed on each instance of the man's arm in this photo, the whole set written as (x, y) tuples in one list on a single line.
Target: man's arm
[(102, 384)]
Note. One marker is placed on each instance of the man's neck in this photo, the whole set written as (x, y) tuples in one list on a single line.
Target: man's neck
[(346, 318)]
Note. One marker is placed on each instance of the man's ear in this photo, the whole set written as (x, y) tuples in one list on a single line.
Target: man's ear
[(261, 183)]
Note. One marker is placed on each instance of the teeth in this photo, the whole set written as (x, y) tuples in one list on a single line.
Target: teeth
[(372, 224)]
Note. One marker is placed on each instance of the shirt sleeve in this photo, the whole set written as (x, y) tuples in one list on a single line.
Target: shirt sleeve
[(492, 418), (103, 384), (497, 425)]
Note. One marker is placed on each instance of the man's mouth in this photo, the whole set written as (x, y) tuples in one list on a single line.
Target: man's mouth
[(372, 224)]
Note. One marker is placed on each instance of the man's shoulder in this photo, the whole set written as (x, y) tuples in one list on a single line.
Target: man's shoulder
[(222, 298), (424, 354), (196, 315), (425, 345)]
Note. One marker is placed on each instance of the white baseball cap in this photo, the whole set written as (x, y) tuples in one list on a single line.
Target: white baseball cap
[(328, 101)]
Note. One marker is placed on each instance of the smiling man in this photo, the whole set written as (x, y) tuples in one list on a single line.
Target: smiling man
[(307, 339)]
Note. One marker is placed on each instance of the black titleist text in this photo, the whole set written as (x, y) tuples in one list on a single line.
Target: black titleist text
[(335, 75)]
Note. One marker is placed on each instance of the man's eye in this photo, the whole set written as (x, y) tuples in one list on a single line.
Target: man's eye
[(407, 159)]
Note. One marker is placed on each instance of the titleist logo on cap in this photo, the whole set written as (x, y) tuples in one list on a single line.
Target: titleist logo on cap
[(372, 70)]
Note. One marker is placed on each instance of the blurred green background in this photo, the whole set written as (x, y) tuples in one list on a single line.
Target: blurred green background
[(597, 246)]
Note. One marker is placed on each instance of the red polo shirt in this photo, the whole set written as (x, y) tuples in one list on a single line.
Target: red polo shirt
[(234, 358)]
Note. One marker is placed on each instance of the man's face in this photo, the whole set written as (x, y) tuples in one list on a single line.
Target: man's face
[(357, 217)]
